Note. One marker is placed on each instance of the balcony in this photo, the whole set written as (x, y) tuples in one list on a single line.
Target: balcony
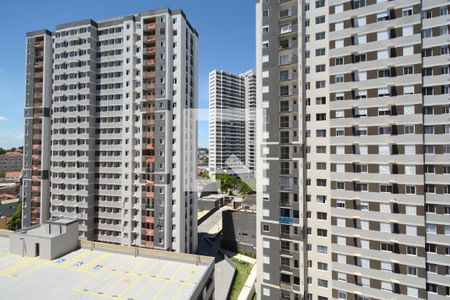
[(148, 219), (38, 75), (285, 220), (35, 201), (150, 159), (35, 188), (36, 147), (150, 51), (37, 96), (149, 244), (150, 110), (150, 97), (149, 232), (150, 122), (150, 39), (38, 85), (149, 75), (149, 194), (150, 146), (150, 26), (35, 157), (39, 64), (38, 45), (285, 286), (150, 134), (149, 86), (149, 183)]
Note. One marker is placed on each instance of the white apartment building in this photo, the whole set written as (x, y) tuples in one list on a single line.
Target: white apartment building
[(352, 149), (232, 100), (110, 129)]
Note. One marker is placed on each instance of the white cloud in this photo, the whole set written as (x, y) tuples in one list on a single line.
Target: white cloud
[(3, 118)]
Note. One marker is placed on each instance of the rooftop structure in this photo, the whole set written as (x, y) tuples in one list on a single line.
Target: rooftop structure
[(98, 271)]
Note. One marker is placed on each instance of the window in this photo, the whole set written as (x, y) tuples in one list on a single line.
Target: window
[(320, 68), (338, 8), (409, 129), (265, 13), (320, 3), (383, 54), (431, 228), (427, 33), (339, 44), (411, 271), (408, 30), (382, 35), (408, 70), (408, 11), (320, 35), (383, 16), (358, 3), (320, 19), (320, 51), (357, 58), (338, 26), (408, 90), (408, 50), (411, 250)]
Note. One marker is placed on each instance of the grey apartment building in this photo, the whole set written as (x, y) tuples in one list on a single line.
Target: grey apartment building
[(110, 129), (232, 117), (353, 149), (11, 162)]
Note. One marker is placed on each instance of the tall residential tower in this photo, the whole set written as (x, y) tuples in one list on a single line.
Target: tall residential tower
[(232, 104), (353, 145), (110, 129)]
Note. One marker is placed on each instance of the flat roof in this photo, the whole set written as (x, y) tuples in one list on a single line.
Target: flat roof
[(93, 274)]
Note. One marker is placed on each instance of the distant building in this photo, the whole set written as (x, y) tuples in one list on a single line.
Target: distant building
[(11, 162), (228, 97), (239, 226), (8, 204), (12, 176)]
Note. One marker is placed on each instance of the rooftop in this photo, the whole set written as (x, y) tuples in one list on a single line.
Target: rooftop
[(16, 153), (13, 174), (100, 274)]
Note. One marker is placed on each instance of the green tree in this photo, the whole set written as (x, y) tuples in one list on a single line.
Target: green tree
[(2, 151), (228, 182), (244, 189), (16, 222)]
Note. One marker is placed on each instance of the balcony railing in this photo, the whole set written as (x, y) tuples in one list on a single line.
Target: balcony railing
[(149, 232), (151, 26), (150, 134), (149, 244), (150, 159), (149, 194), (149, 182), (148, 219)]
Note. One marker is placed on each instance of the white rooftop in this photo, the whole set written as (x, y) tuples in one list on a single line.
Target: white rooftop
[(93, 274)]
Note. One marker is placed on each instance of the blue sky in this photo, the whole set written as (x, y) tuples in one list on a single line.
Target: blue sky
[(226, 41)]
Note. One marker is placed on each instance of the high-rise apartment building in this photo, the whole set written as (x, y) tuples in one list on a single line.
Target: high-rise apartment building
[(110, 129), (232, 103), (352, 149)]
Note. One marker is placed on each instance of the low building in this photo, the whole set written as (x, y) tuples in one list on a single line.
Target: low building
[(11, 162), (239, 226), (12, 176), (8, 205), (9, 188), (94, 270)]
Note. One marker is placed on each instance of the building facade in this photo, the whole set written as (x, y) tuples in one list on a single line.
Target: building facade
[(232, 100), (353, 102), (110, 129), (11, 162)]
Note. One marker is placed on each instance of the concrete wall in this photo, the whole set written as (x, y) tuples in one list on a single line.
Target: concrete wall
[(25, 245), (239, 231)]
